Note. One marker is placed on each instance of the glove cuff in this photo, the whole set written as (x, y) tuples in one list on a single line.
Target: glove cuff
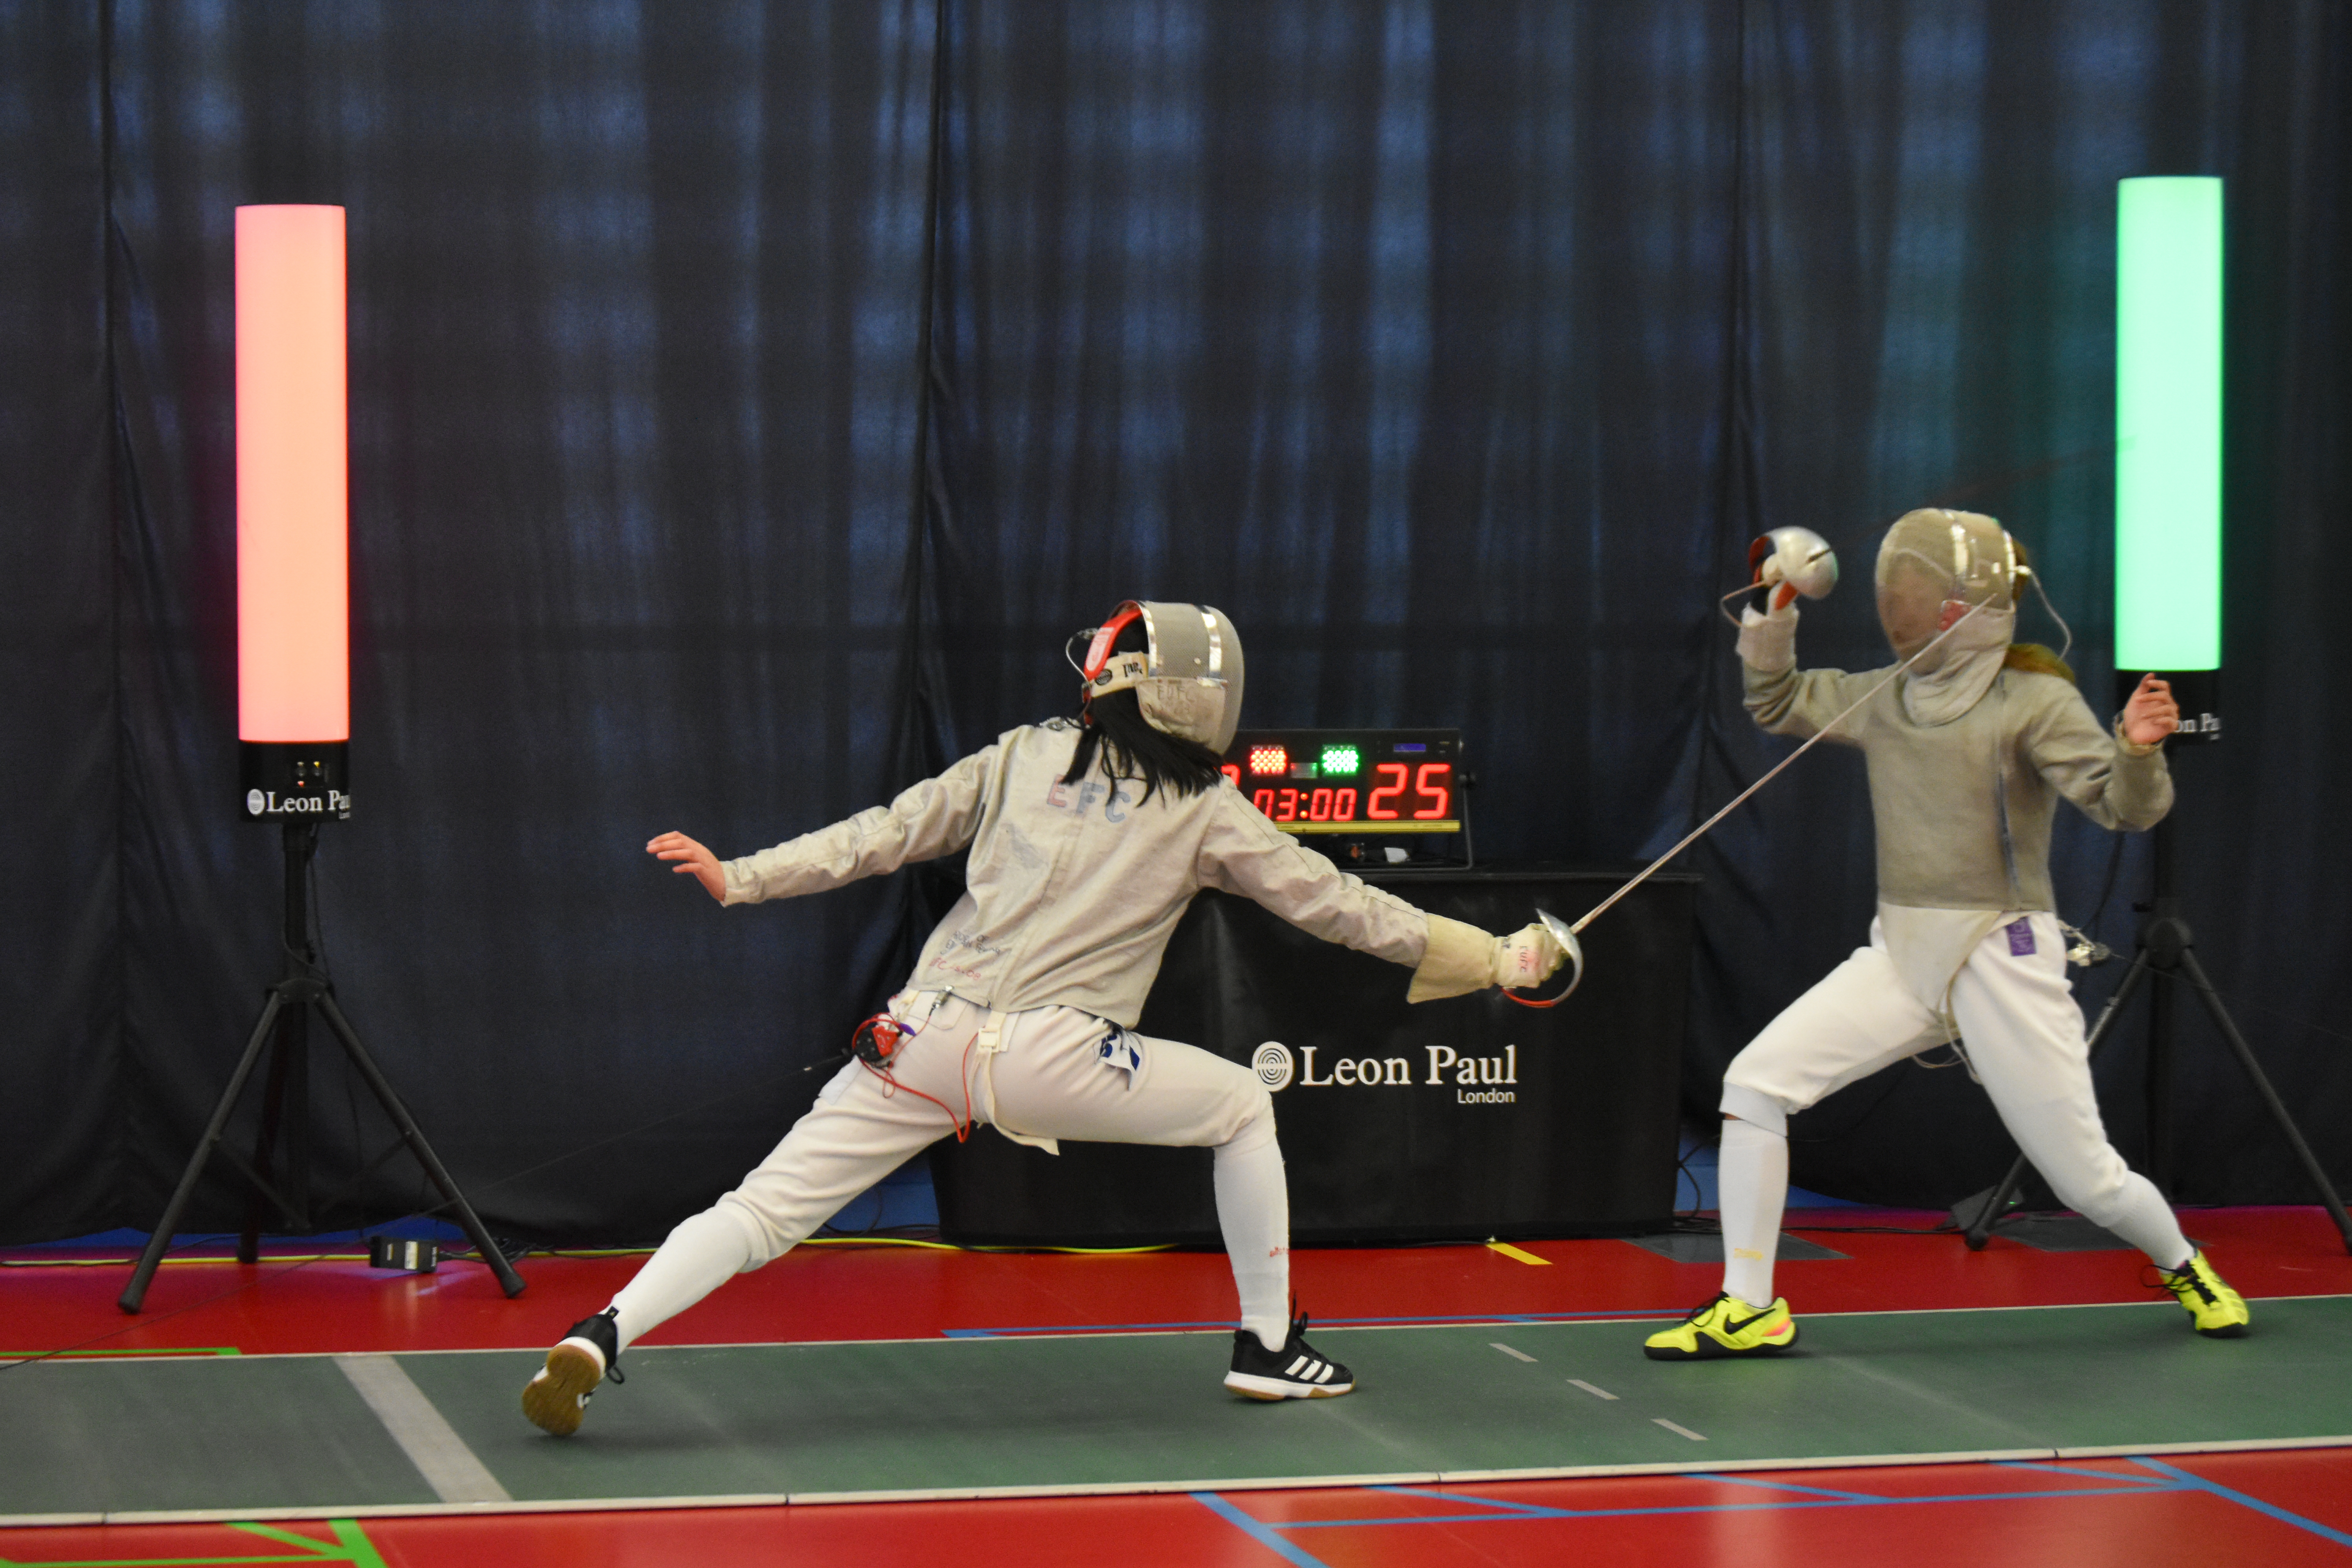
[(1768, 644), (1459, 958)]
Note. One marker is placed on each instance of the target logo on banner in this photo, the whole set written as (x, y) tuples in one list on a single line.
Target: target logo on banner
[(1273, 1065)]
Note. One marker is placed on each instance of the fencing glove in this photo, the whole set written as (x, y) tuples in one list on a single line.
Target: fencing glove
[(1460, 958)]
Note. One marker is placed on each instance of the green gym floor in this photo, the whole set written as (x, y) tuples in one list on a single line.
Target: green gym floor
[(2047, 1410)]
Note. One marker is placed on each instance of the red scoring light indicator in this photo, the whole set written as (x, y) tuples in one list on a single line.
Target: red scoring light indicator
[(1269, 761)]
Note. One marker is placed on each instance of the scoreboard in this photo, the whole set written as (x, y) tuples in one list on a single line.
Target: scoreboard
[(1366, 783)]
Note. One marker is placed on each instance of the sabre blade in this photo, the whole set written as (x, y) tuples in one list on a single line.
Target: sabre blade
[(1695, 834)]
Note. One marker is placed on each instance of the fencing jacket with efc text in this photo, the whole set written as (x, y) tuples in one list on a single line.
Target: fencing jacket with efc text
[(1073, 889)]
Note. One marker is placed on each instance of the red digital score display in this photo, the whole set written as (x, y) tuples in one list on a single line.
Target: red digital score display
[(1396, 791), (1362, 782)]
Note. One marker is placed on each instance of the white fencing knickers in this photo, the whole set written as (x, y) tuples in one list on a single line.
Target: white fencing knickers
[(2024, 1036), (1058, 1073)]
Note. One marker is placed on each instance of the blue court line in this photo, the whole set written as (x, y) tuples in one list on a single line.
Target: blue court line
[(1633, 1314), (1508, 1507), (2157, 1481), (2182, 1481), (1266, 1535), (1791, 1506), (2167, 1478), (1845, 1494)]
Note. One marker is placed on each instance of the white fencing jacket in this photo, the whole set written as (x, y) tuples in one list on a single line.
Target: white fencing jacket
[(1073, 889)]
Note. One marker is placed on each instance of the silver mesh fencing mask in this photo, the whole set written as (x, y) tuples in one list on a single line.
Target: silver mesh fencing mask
[(1188, 680)]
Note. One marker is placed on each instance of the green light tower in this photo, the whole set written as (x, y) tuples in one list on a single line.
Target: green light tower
[(2169, 441), (2168, 615)]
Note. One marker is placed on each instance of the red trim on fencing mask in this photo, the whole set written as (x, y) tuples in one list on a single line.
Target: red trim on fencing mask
[(1099, 651)]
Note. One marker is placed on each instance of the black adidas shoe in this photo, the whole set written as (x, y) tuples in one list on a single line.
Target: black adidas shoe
[(1294, 1372), (557, 1398)]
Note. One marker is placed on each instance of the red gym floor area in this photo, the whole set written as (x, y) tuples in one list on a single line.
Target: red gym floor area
[(2273, 1508)]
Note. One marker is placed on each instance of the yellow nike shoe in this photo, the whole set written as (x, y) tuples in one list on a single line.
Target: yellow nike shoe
[(1725, 1326), (2218, 1312)]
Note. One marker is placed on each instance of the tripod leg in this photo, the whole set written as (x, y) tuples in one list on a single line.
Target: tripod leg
[(140, 1277), (2278, 1111), (284, 1077), (508, 1280), (1981, 1228)]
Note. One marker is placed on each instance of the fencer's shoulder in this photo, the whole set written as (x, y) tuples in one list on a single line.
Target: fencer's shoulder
[(2041, 690), (1004, 751), (2041, 708), (1057, 732)]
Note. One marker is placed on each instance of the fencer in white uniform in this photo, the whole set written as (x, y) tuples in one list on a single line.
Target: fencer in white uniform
[(1087, 841), (1967, 753)]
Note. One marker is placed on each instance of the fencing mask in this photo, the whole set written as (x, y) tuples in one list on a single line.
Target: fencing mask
[(1187, 680), (1935, 566), (1934, 558)]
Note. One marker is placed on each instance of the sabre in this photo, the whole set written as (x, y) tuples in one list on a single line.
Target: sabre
[(1811, 568)]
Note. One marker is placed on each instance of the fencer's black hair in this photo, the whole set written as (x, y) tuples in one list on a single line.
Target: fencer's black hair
[(1113, 726)]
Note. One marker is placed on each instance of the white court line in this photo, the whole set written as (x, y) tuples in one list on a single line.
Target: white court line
[(1596, 1393), (997, 1337), (424, 1434), (1122, 1489), (1684, 1431), (1507, 1350)]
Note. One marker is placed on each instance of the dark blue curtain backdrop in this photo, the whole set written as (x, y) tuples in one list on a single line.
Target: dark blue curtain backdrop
[(748, 400)]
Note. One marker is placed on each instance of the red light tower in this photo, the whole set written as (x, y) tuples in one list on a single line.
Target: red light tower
[(293, 691)]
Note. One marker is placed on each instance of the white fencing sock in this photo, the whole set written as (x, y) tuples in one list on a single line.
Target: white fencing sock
[(1751, 1177), (1254, 1213), (702, 1254), (2142, 1219)]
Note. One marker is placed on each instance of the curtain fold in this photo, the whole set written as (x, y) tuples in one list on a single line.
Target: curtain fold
[(634, 294), (747, 401)]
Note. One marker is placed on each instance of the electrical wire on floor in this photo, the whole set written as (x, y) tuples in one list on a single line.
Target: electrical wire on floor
[(150, 1319)]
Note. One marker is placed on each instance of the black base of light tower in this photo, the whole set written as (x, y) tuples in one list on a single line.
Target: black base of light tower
[(285, 1017), (2167, 949)]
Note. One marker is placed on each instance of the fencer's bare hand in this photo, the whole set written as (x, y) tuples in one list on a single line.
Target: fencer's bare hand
[(2151, 714), (691, 860)]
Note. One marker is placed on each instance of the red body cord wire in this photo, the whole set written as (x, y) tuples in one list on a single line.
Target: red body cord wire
[(891, 1084)]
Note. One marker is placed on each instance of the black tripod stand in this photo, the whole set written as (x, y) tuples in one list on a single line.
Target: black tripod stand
[(301, 987), (2166, 948)]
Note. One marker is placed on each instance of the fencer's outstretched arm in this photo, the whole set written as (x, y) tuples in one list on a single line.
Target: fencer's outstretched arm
[(1244, 853), (1782, 699), (936, 817)]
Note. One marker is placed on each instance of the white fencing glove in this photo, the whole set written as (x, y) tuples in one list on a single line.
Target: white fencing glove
[(1526, 958), (1768, 644)]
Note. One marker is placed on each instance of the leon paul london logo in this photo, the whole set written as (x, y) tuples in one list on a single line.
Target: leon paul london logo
[(269, 803), (1475, 1080)]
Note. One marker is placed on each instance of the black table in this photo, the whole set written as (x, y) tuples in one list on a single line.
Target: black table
[(1469, 1118)]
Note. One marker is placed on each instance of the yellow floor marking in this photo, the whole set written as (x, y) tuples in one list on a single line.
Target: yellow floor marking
[(1508, 1250)]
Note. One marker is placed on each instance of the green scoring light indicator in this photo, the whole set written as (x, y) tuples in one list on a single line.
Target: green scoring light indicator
[(1342, 759), (2169, 424)]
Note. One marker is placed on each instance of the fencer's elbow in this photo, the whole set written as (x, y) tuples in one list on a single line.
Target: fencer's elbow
[(2124, 811)]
